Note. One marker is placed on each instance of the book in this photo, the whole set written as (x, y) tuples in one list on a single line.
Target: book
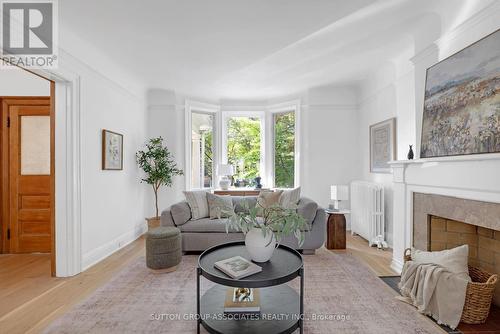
[(242, 301), (237, 267)]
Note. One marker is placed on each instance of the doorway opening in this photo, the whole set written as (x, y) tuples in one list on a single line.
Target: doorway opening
[(27, 168)]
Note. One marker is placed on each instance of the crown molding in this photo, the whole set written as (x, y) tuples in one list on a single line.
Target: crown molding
[(455, 34)]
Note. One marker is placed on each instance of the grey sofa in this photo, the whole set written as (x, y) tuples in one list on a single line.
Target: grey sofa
[(200, 234)]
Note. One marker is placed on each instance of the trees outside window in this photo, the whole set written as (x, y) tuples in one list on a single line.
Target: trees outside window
[(244, 147), (284, 149)]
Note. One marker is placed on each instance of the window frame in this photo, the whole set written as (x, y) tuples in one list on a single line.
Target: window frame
[(282, 108), (207, 109)]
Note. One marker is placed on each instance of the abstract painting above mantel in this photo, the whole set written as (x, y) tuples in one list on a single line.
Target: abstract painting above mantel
[(462, 102)]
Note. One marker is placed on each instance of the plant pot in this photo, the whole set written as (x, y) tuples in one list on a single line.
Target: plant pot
[(260, 249), (153, 222)]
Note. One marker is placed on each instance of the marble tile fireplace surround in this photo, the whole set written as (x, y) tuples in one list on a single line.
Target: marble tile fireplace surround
[(445, 202)]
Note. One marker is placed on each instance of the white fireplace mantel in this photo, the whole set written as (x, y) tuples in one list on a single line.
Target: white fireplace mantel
[(474, 177)]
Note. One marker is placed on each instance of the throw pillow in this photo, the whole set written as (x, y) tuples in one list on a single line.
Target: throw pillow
[(219, 206), (267, 199), (455, 259), (197, 201), (290, 198)]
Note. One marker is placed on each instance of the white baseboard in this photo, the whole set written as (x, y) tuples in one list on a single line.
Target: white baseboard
[(397, 266), (100, 253)]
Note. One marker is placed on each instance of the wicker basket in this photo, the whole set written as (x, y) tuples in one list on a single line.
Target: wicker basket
[(478, 296)]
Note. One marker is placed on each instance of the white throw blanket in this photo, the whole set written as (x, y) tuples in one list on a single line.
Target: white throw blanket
[(435, 291)]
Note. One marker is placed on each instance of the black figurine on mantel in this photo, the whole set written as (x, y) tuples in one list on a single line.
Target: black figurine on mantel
[(410, 153)]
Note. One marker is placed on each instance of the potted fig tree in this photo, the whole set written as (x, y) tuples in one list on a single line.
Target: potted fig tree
[(159, 169)]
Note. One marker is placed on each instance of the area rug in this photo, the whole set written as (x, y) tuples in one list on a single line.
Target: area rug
[(341, 296)]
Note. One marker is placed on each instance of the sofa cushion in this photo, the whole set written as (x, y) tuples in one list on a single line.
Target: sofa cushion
[(220, 206), (455, 259), (240, 202), (289, 198), (307, 208), (180, 212), (198, 203), (267, 199), (205, 225)]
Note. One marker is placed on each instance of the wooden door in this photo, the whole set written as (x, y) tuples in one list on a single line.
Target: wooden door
[(30, 177)]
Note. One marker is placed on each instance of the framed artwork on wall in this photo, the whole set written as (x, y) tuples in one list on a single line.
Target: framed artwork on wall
[(462, 102), (112, 150), (382, 146)]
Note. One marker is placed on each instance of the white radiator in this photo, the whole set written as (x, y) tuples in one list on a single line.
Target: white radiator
[(367, 211)]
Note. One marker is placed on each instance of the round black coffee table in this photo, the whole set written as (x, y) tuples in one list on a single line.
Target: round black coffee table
[(282, 308)]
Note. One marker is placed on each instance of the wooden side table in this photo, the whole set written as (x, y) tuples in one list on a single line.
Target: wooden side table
[(336, 229)]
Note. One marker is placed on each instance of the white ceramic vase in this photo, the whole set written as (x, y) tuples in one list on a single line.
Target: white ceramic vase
[(260, 249)]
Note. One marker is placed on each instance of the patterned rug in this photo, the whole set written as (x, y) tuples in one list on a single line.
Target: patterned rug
[(341, 296)]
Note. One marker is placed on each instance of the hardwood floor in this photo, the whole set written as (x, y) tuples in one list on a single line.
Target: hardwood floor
[(31, 298), (378, 260)]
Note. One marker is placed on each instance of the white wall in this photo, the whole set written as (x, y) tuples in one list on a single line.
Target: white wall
[(17, 82), (165, 118), (387, 93), (112, 201), (329, 140), (397, 90)]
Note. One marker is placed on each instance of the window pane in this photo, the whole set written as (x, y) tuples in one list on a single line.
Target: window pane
[(243, 148), (202, 150), (284, 150), (35, 145)]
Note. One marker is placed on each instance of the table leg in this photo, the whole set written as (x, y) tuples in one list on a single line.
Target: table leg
[(301, 321), (198, 312)]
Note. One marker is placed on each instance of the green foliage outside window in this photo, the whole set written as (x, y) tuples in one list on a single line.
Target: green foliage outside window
[(284, 150), (243, 146), (208, 158)]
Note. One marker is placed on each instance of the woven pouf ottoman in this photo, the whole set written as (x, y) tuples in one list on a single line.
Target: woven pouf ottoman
[(163, 248)]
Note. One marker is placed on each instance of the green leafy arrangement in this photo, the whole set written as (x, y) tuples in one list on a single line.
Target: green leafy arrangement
[(275, 219), (158, 165)]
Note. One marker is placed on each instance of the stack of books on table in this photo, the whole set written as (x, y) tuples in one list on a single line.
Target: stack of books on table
[(237, 267), (242, 301)]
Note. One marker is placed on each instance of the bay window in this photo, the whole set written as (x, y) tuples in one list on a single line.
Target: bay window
[(256, 143)]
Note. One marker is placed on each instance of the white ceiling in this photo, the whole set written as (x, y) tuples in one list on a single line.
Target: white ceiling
[(257, 49)]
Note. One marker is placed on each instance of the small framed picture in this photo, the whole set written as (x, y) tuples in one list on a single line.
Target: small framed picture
[(112, 150), (382, 146)]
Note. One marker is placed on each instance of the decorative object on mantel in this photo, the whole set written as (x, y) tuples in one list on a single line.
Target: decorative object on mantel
[(478, 296), (338, 193), (159, 168), (264, 227), (224, 172), (462, 93), (382, 146), (411, 155), (112, 150)]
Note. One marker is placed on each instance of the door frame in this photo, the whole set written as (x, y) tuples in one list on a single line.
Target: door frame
[(65, 93)]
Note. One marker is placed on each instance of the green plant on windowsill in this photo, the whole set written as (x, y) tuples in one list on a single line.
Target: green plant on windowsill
[(265, 227)]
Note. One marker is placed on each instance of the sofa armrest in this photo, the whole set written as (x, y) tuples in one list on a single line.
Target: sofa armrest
[(307, 209), (166, 218)]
